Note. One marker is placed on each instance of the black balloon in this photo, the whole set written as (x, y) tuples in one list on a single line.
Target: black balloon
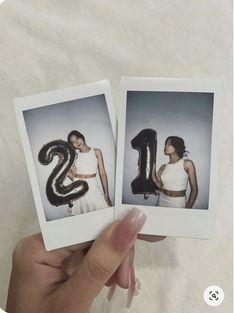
[(146, 144), (57, 193)]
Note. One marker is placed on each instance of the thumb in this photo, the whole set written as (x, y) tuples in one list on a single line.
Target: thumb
[(102, 260)]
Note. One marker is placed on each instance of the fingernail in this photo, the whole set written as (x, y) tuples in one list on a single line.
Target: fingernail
[(131, 292), (112, 289), (129, 227)]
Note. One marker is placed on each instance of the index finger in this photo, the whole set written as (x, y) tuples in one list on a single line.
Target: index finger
[(150, 238)]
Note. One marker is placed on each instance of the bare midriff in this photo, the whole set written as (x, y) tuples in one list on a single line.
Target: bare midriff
[(85, 176), (171, 193)]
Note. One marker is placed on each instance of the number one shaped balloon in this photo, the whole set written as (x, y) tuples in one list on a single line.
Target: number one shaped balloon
[(146, 144), (57, 193)]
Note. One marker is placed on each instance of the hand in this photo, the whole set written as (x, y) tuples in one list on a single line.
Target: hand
[(67, 280), (61, 157), (107, 199), (157, 192)]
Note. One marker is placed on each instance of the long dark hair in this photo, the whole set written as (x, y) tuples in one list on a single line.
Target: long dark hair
[(178, 144)]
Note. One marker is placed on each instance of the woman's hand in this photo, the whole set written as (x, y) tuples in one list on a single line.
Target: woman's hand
[(61, 157), (67, 280), (107, 199)]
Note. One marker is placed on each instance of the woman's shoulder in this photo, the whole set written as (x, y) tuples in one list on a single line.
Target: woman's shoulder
[(97, 151), (188, 163)]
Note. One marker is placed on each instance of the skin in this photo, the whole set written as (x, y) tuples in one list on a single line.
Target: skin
[(67, 280), (44, 282), (80, 144), (189, 169), (103, 176)]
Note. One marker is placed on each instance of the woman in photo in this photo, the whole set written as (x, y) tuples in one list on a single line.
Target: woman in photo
[(88, 162), (173, 177)]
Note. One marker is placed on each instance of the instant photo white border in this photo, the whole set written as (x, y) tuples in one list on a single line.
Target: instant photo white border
[(193, 223), (69, 230)]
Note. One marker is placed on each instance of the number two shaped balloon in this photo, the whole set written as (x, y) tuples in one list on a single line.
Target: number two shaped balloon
[(57, 193)]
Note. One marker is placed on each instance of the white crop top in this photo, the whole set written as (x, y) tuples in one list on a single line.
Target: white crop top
[(86, 162), (174, 177)]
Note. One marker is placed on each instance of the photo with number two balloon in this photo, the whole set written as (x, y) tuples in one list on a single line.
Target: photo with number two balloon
[(69, 140)]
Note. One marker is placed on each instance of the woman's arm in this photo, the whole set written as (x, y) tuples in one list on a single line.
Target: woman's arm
[(158, 175), (190, 169), (72, 172), (103, 175)]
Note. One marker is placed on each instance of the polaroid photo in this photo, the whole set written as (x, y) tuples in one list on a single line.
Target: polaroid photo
[(167, 154), (69, 140)]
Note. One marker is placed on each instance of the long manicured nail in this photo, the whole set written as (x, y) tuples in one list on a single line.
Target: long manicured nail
[(128, 228), (112, 289), (131, 292), (137, 286)]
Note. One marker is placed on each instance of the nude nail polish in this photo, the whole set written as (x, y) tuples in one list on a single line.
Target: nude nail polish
[(131, 292), (112, 289), (128, 228)]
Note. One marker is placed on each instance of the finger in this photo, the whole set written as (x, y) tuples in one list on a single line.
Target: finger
[(150, 238), (110, 281), (81, 246), (31, 250), (71, 264), (125, 278), (100, 263), (58, 256), (123, 272), (121, 276)]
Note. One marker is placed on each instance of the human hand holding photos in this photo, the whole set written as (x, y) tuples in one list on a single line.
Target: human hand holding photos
[(68, 279)]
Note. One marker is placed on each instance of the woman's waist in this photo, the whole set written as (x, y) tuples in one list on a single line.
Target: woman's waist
[(173, 193), (85, 176), (174, 185)]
